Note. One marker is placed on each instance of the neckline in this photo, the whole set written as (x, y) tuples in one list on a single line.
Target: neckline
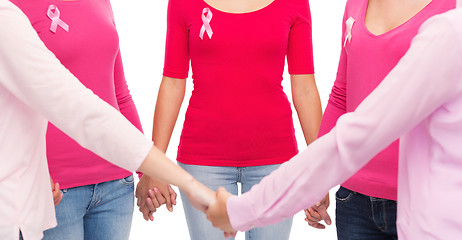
[(363, 20), (240, 13)]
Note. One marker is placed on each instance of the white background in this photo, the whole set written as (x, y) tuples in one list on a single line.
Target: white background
[(142, 26)]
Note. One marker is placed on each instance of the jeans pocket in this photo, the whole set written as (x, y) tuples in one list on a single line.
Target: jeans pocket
[(343, 194), (129, 181)]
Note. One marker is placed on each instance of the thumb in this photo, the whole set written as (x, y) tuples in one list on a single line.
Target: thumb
[(325, 216), (172, 195), (168, 203), (328, 220)]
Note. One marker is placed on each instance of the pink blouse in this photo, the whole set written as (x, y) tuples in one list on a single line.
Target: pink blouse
[(365, 60)]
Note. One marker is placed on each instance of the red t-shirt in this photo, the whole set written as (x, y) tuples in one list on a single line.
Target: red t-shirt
[(238, 114)]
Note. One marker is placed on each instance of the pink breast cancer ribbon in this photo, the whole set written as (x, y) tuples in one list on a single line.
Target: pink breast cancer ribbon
[(206, 18), (55, 21), (349, 25)]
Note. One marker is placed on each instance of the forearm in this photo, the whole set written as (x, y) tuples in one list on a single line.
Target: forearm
[(169, 100), (330, 117), (307, 103), (336, 105), (124, 98), (131, 114), (157, 165)]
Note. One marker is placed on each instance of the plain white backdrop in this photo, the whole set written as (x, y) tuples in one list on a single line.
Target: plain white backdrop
[(142, 27)]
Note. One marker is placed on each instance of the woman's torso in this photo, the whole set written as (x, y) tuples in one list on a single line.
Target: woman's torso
[(370, 58), (88, 49), (238, 114)]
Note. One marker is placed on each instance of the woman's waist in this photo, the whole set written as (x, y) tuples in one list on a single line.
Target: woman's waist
[(219, 141), (229, 153), (240, 125), (238, 107), (83, 169)]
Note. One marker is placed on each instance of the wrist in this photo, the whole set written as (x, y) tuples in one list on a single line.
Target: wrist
[(188, 184)]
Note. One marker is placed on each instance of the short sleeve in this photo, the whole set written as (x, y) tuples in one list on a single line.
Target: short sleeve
[(176, 64), (300, 46)]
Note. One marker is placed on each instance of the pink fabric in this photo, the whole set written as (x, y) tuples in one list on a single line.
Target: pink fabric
[(238, 114), (428, 79), (90, 50), (365, 60)]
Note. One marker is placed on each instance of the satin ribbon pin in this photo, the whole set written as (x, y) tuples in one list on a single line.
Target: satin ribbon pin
[(349, 25), (206, 18), (55, 20)]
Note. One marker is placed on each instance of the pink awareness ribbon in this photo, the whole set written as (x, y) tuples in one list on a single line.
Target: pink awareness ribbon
[(349, 25), (55, 21), (206, 18)]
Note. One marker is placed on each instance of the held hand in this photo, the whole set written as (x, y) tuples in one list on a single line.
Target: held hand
[(154, 201), (151, 194), (317, 213), (56, 191), (148, 209), (218, 214), (141, 194), (161, 194)]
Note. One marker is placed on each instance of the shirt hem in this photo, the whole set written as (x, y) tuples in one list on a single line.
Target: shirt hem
[(234, 163), (298, 72), (174, 75), (372, 190), (96, 181)]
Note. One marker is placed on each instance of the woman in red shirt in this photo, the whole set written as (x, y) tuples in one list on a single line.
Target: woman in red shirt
[(238, 127)]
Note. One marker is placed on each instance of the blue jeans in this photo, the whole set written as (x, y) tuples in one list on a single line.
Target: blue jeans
[(228, 177), (95, 212), (361, 217)]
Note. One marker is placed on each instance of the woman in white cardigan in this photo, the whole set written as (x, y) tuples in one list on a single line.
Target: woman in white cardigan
[(36, 88)]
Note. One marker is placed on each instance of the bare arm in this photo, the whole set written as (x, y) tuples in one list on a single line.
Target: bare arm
[(307, 103), (169, 100), (151, 192)]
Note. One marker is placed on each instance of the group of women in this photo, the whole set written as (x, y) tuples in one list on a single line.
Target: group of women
[(238, 126)]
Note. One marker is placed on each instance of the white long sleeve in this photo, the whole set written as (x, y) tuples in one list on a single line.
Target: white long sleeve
[(34, 88), (427, 78)]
